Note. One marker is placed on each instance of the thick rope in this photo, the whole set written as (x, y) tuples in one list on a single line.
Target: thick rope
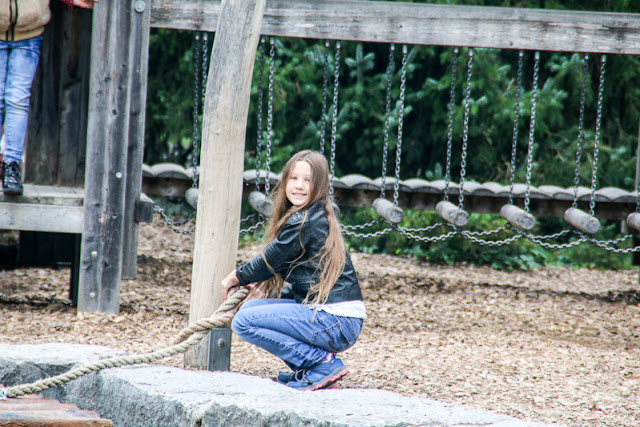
[(187, 338)]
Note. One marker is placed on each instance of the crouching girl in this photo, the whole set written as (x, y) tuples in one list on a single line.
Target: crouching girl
[(321, 311)]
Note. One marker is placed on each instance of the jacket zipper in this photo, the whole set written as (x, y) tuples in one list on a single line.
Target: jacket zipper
[(13, 20)]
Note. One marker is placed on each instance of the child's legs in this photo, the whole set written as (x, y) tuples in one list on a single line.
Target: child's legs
[(21, 69), (266, 301), (299, 336), (4, 64)]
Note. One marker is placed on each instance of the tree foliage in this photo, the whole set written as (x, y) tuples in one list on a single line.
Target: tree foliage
[(359, 132)]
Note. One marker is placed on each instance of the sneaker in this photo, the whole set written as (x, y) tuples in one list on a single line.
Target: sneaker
[(11, 179), (323, 375), (287, 377)]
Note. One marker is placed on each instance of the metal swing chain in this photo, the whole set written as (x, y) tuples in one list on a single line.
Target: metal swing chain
[(465, 130), (201, 86), (258, 140), (410, 231), (260, 112), (334, 120), (539, 240), (196, 110), (638, 175), (360, 226), (516, 119), (607, 245), (272, 62), (431, 239), (580, 140), (198, 36), (378, 233), (387, 123), (534, 98), (387, 119), (253, 227), (325, 87), (596, 143), (403, 81), (422, 230), (452, 102), (203, 90), (485, 242)]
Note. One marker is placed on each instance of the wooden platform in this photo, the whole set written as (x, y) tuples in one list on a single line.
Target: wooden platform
[(34, 411), (43, 208), (53, 209)]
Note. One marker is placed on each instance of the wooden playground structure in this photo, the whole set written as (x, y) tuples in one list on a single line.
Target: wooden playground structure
[(84, 161)]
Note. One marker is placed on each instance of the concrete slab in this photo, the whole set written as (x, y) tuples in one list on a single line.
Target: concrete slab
[(165, 396)]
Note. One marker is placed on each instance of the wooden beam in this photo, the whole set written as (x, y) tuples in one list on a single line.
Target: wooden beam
[(428, 24), (226, 108), (53, 218), (116, 34), (43, 208)]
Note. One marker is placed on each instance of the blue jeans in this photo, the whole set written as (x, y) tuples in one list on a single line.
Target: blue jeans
[(300, 336), (18, 64)]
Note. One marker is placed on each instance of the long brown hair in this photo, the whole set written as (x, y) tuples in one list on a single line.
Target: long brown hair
[(331, 258)]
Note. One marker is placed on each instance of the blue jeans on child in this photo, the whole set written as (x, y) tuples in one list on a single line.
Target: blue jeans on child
[(297, 334), (18, 64)]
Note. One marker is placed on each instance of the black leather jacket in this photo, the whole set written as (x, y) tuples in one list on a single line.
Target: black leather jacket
[(292, 254)]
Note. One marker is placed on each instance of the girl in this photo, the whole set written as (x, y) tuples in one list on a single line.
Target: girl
[(323, 311)]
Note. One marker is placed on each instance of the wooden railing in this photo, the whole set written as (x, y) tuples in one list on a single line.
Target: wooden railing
[(169, 179)]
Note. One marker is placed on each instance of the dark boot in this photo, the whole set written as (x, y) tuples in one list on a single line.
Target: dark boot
[(11, 179)]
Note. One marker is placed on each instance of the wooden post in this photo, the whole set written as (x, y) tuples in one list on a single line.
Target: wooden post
[(115, 75), (226, 108), (137, 106)]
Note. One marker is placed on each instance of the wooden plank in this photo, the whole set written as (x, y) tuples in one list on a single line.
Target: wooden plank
[(47, 194), (33, 411), (75, 45), (137, 106), (113, 48), (428, 24), (226, 108), (38, 217)]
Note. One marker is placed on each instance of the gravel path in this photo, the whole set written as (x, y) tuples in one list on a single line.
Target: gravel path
[(553, 345)]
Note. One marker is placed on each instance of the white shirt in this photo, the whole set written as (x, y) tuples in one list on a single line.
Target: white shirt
[(344, 308)]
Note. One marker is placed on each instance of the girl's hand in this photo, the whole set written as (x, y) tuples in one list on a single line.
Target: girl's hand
[(255, 293), (85, 4), (231, 281)]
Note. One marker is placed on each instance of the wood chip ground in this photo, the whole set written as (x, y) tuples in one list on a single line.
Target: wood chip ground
[(554, 345)]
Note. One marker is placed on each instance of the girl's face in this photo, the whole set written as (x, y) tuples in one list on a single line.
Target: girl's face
[(298, 186)]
